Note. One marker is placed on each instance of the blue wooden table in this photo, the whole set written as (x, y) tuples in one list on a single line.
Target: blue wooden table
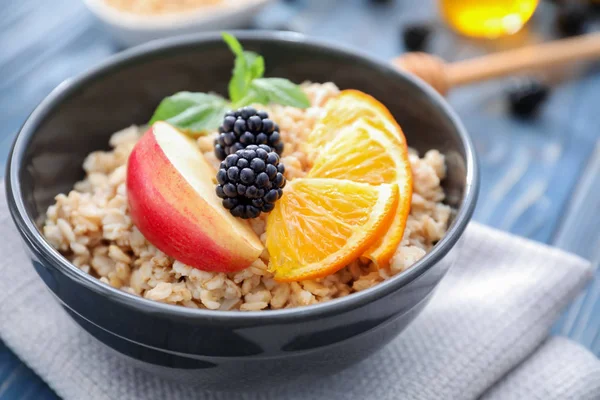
[(540, 178)]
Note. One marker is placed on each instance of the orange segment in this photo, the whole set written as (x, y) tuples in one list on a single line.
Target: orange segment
[(321, 225), (366, 152), (345, 109)]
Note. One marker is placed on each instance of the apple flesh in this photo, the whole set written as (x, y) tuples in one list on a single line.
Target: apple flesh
[(172, 201)]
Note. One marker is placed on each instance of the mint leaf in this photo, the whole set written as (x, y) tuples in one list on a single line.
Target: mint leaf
[(252, 97), (200, 119), (179, 102), (239, 81), (281, 91), (257, 64), (247, 66), (233, 43), (254, 62), (195, 113)]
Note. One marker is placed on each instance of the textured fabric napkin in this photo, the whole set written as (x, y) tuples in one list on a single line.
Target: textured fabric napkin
[(482, 336)]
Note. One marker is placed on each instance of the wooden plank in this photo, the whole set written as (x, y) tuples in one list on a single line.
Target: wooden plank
[(529, 169), (579, 233)]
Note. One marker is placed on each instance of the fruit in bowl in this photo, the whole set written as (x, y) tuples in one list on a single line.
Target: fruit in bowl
[(352, 206), (206, 189), (243, 329), (173, 203)]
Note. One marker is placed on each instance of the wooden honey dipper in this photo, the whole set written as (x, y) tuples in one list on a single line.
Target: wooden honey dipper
[(443, 76)]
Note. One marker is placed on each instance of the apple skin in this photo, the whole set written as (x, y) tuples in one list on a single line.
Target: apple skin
[(186, 223)]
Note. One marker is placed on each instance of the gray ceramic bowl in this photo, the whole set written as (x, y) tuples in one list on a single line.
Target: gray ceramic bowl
[(228, 350)]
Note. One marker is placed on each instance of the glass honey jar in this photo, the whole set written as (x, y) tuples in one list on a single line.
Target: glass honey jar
[(487, 18)]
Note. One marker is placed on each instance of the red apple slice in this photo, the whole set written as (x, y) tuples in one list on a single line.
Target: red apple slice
[(172, 201)]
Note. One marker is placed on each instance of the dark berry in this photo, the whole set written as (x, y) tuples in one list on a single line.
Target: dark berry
[(278, 148), (250, 181), (252, 212), (247, 176), (220, 152), (594, 5), (231, 161), (239, 127), (257, 164), (262, 180), (279, 180), (228, 122), (230, 190), (238, 211), (229, 203), (271, 171), (248, 154), (255, 123), (268, 125), (247, 112), (235, 147), (242, 162), (570, 19), (252, 192), (415, 37), (271, 196), (275, 136), (246, 127), (247, 139), (258, 203), (262, 153), (228, 138), (262, 138), (232, 173), (526, 97), (222, 176), (273, 158)]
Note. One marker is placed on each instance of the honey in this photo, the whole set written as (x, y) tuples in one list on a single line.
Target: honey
[(487, 18)]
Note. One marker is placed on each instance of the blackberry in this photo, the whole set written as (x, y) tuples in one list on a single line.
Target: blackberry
[(250, 181), (571, 19), (594, 5), (415, 37), (245, 127), (526, 96)]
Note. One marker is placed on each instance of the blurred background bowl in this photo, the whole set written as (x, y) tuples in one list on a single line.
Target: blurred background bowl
[(131, 29)]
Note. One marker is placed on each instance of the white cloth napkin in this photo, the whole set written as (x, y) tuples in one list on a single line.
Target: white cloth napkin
[(482, 335)]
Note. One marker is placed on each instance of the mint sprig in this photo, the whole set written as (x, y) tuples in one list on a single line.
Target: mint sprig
[(247, 67), (199, 113), (280, 91), (192, 112)]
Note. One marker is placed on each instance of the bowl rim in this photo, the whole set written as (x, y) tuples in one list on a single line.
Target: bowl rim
[(35, 240)]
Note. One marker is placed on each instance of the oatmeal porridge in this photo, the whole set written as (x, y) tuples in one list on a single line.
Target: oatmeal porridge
[(92, 227)]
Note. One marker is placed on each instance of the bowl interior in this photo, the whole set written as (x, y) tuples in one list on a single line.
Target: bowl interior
[(81, 118)]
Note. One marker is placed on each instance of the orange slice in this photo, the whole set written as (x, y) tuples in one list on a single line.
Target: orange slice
[(321, 225), (345, 109), (367, 152)]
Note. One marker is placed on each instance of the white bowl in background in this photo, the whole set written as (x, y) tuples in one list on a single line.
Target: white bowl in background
[(132, 29)]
